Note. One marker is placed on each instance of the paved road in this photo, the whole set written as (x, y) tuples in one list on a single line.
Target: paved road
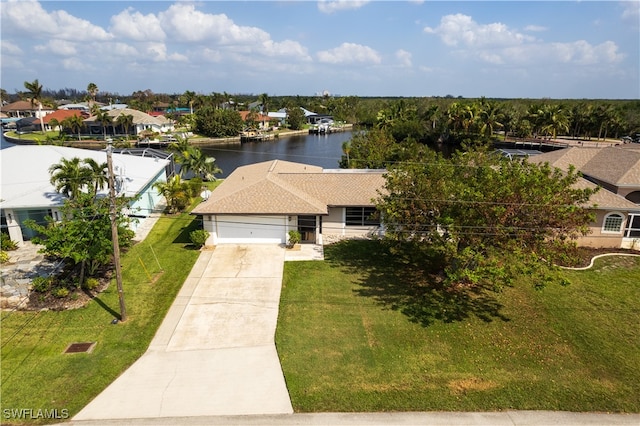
[(214, 353)]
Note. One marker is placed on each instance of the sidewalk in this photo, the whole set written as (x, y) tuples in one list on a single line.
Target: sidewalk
[(504, 418)]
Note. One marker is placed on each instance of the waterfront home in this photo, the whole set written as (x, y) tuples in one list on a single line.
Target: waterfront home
[(616, 170), (141, 122), (28, 194), (21, 109), (261, 203)]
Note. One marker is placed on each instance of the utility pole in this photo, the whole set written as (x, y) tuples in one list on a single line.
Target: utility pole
[(114, 231)]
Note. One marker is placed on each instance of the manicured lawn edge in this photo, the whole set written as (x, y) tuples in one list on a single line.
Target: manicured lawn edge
[(351, 337), (37, 375)]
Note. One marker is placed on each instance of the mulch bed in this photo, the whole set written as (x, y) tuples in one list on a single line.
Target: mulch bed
[(77, 297), (585, 254)]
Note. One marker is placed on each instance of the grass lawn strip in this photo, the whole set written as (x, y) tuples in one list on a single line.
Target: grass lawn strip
[(350, 340), (35, 372)]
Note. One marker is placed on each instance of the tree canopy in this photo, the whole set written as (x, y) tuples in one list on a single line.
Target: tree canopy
[(464, 216)]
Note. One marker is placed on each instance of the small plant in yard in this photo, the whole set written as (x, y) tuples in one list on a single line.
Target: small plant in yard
[(294, 238), (60, 292), (41, 284), (6, 243), (199, 237), (4, 257), (90, 284)]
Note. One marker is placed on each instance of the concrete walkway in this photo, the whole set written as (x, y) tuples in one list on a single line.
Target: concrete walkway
[(214, 354)]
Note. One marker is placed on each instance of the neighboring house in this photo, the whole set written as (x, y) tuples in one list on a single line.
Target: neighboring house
[(261, 120), (60, 115), (27, 193), (141, 121), (616, 170), (281, 114), (21, 109), (261, 203)]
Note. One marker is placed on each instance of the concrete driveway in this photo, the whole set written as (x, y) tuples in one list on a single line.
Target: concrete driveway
[(214, 353)]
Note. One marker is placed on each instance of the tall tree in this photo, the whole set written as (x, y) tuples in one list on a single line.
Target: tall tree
[(92, 90), (104, 119), (125, 121), (176, 193), (34, 92), (74, 123), (465, 215)]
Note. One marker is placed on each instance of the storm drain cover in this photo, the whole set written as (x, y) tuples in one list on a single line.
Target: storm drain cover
[(76, 348)]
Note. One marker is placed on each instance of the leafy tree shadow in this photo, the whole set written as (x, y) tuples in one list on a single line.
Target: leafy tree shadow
[(413, 291), (183, 237)]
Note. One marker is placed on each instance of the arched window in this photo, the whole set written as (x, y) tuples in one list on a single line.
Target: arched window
[(613, 223)]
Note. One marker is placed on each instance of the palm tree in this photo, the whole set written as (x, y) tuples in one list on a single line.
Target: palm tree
[(346, 149), (75, 123), (175, 192), (70, 176), (34, 92), (126, 121), (491, 118), (555, 120), (202, 165), (98, 175), (92, 89), (104, 119), (188, 97)]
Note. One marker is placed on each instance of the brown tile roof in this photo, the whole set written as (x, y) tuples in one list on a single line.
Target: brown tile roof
[(19, 106), (604, 199), (619, 166), (282, 187)]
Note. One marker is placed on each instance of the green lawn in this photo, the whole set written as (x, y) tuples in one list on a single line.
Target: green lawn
[(354, 334), (35, 372)]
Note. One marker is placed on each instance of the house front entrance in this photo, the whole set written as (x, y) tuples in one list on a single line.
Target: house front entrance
[(307, 229)]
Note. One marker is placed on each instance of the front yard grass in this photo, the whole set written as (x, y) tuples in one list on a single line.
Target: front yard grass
[(354, 334), (35, 372)]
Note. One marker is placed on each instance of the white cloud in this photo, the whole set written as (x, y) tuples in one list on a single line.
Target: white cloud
[(9, 48), (535, 28), (326, 6), (498, 44), (461, 29), (404, 58), (136, 26), (631, 10), (30, 19), (76, 64), (349, 53), (285, 48), (58, 47)]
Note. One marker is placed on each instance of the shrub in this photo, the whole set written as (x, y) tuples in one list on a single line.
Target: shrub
[(4, 257), (195, 187), (199, 237), (60, 292), (41, 284), (90, 284), (294, 237), (6, 243)]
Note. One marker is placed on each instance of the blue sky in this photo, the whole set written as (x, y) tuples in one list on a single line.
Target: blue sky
[(509, 49)]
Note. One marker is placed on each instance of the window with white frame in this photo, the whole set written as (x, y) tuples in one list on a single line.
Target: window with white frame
[(613, 223)]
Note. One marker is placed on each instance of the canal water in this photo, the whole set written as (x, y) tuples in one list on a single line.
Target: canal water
[(318, 150)]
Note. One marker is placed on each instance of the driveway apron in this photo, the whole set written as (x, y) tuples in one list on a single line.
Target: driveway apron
[(214, 353)]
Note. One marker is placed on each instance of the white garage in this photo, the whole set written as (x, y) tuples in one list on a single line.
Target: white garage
[(247, 229)]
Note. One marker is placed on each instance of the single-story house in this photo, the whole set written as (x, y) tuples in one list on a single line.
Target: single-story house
[(141, 121), (23, 109), (261, 203), (60, 115), (262, 120), (616, 170), (27, 193)]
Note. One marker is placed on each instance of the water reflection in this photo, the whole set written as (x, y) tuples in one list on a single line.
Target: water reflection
[(319, 150)]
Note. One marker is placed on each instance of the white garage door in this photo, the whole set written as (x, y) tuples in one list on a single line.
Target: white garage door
[(250, 229)]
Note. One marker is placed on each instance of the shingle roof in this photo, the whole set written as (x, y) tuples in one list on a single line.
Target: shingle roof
[(282, 187), (604, 199), (614, 165)]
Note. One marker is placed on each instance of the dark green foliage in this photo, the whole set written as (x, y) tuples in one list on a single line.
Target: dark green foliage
[(295, 118), (467, 216), (41, 284), (198, 237), (217, 123), (294, 237), (7, 243), (84, 234)]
